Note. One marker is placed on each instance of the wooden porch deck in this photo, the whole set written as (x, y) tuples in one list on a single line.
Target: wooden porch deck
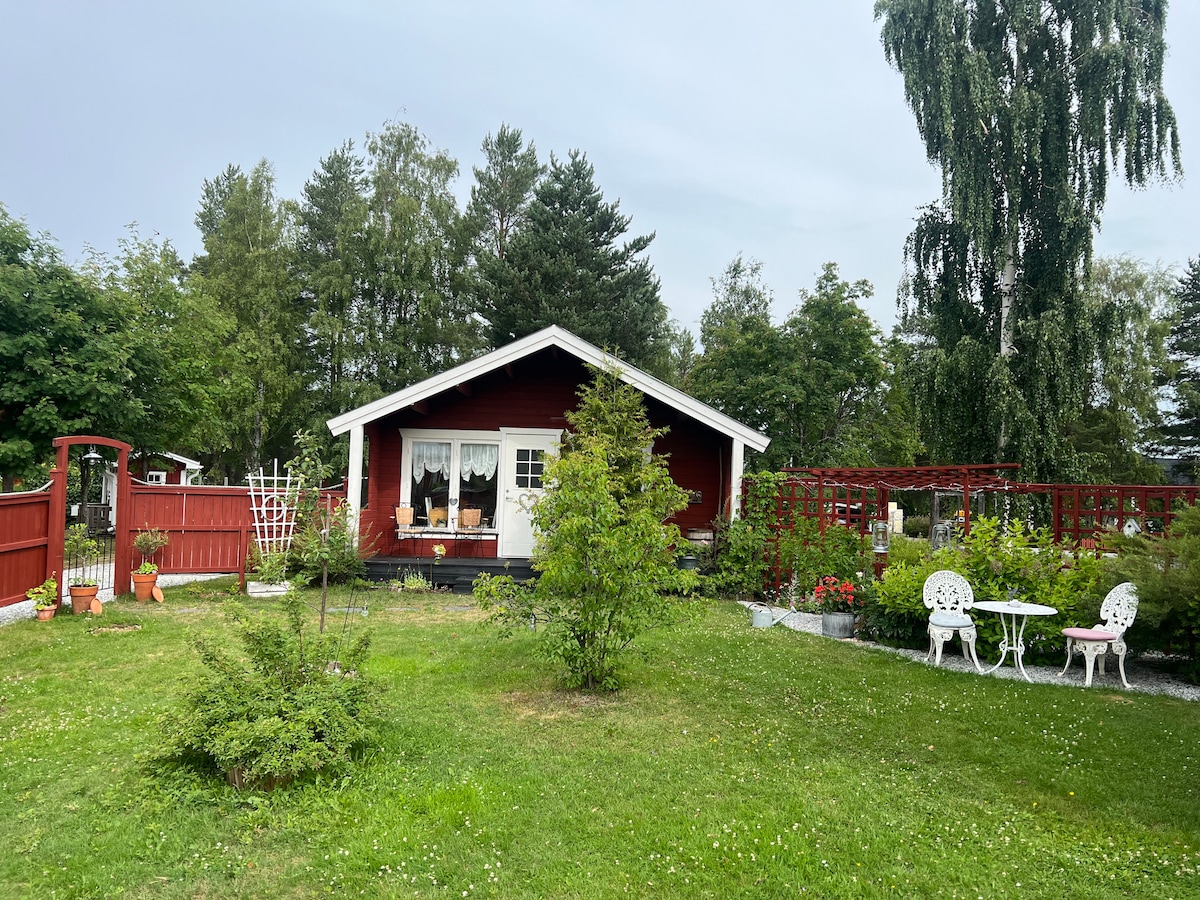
[(456, 573)]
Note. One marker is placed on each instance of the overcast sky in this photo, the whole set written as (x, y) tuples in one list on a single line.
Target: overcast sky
[(773, 129)]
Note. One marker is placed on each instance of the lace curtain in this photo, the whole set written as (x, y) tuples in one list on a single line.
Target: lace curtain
[(480, 459), (428, 456)]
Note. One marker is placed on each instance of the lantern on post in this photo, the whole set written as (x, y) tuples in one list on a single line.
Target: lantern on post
[(881, 537), (943, 536)]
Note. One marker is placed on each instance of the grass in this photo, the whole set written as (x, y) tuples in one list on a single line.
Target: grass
[(735, 762)]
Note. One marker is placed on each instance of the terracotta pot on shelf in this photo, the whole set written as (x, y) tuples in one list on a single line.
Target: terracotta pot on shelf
[(143, 586), (81, 598)]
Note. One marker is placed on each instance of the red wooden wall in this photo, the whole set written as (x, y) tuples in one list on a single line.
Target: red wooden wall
[(536, 392), (24, 540)]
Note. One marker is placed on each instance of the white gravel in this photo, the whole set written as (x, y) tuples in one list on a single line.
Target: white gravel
[(1143, 678)]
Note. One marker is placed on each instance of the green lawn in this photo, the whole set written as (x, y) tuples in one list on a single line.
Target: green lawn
[(736, 762)]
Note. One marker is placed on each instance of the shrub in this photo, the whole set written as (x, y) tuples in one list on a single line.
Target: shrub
[(327, 541), (605, 553), (290, 706), (740, 547), (916, 526), (996, 559), (149, 541), (1166, 571)]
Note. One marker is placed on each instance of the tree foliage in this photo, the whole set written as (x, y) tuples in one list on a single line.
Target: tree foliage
[(1026, 107), (605, 554), (65, 352), (565, 267), (816, 384), (1126, 309), (247, 272), (1181, 433)]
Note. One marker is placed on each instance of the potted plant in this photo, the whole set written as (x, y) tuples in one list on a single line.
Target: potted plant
[(837, 600), (145, 577), (81, 552), (45, 599), (270, 573), (148, 542), (83, 592)]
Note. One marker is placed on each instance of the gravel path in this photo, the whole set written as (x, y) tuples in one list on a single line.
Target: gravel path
[(1144, 678)]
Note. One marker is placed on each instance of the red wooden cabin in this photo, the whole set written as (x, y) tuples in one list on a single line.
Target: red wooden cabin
[(458, 457)]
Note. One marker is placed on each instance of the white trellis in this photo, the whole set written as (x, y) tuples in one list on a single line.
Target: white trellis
[(273, 505)]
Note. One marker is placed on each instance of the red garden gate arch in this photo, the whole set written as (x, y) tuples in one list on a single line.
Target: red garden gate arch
[(58, 502)]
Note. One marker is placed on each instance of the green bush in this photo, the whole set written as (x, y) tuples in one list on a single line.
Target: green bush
[(996, 559), (916, 526), (740, 547), (290, 706), (605, 552), (1166, 571)]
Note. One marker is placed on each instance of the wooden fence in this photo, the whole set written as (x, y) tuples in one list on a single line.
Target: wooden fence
[(24, 543), (210, 528)]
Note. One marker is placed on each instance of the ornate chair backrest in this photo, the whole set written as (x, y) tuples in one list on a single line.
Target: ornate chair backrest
[(1119, 608), (469, 517), (947, 592), (404, 516)]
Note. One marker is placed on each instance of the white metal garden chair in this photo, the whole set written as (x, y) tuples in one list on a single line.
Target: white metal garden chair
[(948, 596), (1117, 612)]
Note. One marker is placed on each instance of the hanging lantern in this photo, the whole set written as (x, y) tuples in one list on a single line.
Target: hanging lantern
[(881, 537), (91, 457), (943, 536)]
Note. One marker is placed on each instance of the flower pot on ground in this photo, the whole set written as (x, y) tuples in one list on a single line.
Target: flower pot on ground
[(144, 578), (45, 598), (839, 601), (837, 624), (83, 591)]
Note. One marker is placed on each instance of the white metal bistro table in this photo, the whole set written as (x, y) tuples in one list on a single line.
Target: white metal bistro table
[(1014, 635)]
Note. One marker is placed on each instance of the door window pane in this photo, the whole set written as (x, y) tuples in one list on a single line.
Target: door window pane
[(530, 465)]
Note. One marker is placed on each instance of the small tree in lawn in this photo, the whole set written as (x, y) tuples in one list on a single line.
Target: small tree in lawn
[(604, 553)]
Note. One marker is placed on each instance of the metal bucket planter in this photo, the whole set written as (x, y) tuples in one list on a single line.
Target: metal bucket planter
[(837, 624)]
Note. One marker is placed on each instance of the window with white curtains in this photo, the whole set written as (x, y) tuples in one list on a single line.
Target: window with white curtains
[(446, 476)]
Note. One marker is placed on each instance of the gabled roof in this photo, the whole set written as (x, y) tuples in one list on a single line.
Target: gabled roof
[(553, 336)]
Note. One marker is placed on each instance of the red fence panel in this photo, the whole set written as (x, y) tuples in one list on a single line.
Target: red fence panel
[(209, 528), (24, 539)]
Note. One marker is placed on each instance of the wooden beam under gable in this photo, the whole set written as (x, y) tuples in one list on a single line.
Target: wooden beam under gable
[(421, 407), (464, 388)]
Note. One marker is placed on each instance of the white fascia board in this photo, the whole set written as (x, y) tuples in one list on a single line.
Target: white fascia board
[(553, 336)]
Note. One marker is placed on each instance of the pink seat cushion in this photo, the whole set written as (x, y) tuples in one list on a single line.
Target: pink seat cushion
[(1088, 634)]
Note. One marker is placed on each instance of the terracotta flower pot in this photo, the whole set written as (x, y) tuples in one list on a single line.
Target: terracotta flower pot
[(143, 586), (81, 598), (45, 615)]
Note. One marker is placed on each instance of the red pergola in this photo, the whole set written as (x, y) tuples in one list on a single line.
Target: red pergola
[(859, 496)]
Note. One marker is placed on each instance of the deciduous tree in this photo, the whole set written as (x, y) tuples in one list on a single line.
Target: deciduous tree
[(64, 352), (1025, 106)]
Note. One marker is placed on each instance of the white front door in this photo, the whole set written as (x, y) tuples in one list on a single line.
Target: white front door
[(525, 455)]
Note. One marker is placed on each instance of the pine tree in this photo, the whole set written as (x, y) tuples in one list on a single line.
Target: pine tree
[(565, 267)]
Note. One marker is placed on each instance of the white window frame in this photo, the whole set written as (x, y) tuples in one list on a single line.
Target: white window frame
[(456, 438), (156, 476)]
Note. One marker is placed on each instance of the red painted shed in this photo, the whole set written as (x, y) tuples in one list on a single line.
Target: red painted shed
[(470, 443)]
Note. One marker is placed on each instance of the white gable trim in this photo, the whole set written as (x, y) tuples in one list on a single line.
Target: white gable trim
[(553, 336)]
